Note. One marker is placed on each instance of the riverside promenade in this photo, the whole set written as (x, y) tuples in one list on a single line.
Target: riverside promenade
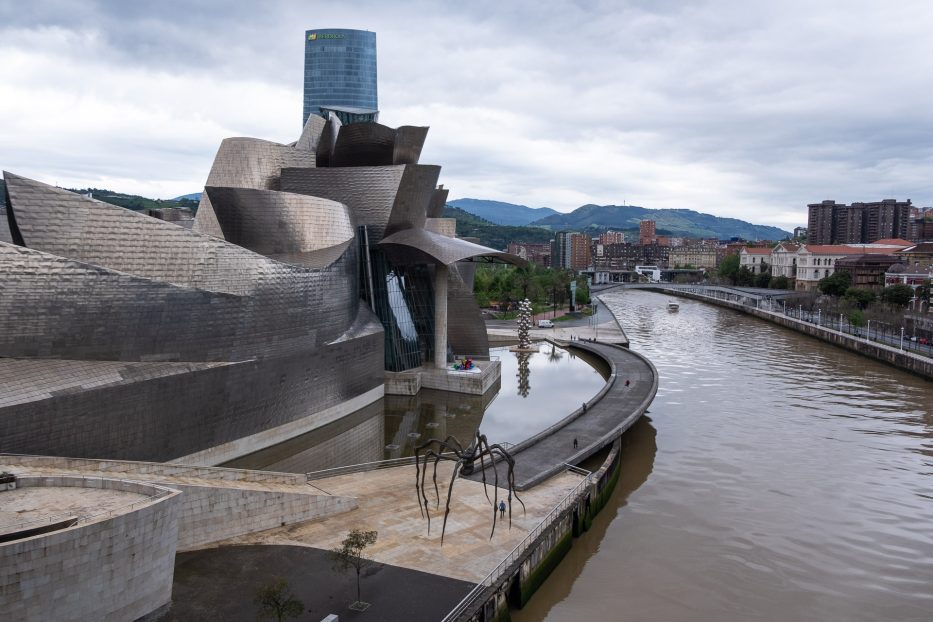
[(629, 390)]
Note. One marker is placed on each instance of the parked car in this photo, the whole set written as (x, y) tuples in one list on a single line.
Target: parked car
[(545, 324)]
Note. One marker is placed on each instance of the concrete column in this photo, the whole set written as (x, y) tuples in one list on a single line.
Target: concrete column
[(440, 316)]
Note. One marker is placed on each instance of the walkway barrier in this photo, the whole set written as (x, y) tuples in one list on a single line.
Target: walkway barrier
[(886, 335), (365, 466), (492, 579)]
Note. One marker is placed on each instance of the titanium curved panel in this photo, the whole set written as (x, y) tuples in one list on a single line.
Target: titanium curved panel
[(163, 417), (364, 144), (438, 202), (417, 245), (280, 223), (52, 307), (409, 141), (414, 195), (325, 147), (69, 225), (5, 235), (466, 330), (369, 192), (246, 163), (311, 133)]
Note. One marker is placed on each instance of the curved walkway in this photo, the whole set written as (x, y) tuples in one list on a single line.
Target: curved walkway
[(608, 414)]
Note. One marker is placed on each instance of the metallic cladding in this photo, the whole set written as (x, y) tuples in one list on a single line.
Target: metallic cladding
[(246, 163), (280, 223), (466, 330)]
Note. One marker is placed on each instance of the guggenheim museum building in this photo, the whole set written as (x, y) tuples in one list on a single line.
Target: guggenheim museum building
[(312, 269)]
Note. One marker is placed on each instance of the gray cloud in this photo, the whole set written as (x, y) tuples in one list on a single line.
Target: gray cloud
[(746, 109)]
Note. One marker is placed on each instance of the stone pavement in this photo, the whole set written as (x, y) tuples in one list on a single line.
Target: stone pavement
[(387, 504)]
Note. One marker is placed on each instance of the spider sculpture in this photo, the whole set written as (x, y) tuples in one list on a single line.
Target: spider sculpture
[(451, 449)]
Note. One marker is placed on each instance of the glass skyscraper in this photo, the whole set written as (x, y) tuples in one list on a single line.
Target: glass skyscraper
[(340, 73)]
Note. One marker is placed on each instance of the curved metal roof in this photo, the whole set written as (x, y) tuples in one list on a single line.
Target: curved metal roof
[(414, 244)]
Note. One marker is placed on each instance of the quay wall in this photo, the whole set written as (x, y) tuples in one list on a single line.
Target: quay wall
[(518, 583), (906, 361)]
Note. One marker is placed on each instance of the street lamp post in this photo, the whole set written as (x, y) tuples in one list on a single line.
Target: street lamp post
[(819, 317), (902, 337), (868, 332)]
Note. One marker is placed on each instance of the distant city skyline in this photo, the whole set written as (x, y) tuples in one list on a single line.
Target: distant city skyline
[(748, 110)]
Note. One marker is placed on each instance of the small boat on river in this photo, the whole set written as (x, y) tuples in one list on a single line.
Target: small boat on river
[(672, 306)]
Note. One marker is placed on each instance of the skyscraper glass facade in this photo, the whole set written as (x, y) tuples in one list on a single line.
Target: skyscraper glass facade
[(340, 70)]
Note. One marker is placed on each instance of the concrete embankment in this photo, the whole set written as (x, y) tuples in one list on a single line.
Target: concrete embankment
[(901, 359)]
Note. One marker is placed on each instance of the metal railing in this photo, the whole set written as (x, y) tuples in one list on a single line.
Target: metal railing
[(886, 335), (493, 577), (390, 463)]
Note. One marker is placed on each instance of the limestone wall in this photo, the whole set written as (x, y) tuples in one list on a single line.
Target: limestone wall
[(216, 503), (210, 514), (109, 568)]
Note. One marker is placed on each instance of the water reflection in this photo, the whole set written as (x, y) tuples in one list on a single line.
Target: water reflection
[(791, 482), (524, 374), (394, 426)]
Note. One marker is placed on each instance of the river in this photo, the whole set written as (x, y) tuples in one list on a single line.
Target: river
[(775, 478)]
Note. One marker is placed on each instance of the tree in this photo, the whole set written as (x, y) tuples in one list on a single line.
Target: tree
[(856, 318), (898, 295), (763, 279), (729, 267), (778, 282), (860, 296), (835, 284), (275, 600), (744, 277), (350, 553)]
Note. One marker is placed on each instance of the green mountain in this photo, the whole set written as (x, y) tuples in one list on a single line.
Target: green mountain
[(676, 222), (493, 235), (500, 213), (134, 201)]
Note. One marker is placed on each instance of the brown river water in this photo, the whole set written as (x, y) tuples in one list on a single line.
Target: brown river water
[(775, 478)]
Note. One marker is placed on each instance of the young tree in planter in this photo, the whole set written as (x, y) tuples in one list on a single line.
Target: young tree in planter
[(350, 554), (275, 601)]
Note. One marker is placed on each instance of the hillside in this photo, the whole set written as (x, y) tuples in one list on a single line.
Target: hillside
[(135, 202), (500, 213), (677, 222), (493, 235)]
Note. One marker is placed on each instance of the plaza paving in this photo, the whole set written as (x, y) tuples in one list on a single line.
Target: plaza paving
[(388, 504)]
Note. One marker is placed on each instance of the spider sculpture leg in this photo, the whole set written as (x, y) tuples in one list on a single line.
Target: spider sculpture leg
[(450, 490)]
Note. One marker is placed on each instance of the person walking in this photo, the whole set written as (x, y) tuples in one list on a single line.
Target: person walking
[(627, 382), (501, 508), (574, 442)]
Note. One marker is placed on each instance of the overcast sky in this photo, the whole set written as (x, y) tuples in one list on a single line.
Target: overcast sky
[(737, 108)]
